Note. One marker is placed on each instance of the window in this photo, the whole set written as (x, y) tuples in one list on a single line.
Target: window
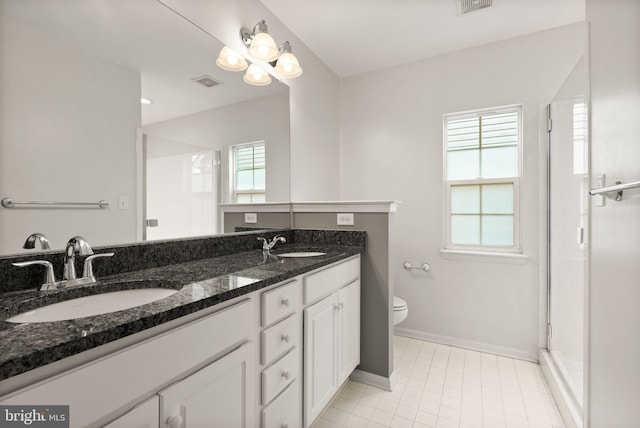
[(482, 180), (249, 173)]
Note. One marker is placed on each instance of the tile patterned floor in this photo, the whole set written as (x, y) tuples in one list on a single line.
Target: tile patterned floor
[(442, 386)]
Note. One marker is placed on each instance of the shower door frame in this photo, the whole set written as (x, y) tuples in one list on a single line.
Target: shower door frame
[(574, 412)]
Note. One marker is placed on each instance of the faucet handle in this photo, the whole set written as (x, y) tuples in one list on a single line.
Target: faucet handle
[(49, 275), (87, 270)]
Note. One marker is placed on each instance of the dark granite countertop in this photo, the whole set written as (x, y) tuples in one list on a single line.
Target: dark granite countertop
[(201, 284)]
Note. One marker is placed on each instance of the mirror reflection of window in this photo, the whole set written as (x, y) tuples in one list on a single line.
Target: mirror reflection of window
[(249, 173)]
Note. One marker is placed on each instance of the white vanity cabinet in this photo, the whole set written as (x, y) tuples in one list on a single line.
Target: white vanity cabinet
[(332, 334), (218, 396), (144, 415), (272, 358), (102, 389), (281, 356)]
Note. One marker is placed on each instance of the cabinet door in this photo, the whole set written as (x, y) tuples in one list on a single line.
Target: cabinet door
[(143, 416), (348, 330), (320, 362), (219, 395)]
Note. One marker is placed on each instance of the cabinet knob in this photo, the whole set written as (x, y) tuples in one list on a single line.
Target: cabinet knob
[(285, 301), (285, 338), (336, 307), (175, 421), (341, 305), (285, 374), (284, 425)]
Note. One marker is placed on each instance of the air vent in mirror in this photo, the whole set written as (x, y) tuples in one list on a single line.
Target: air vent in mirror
[(207, 81)]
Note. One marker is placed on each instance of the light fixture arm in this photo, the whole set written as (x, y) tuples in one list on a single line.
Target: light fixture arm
[(247, 36), (285, 47)]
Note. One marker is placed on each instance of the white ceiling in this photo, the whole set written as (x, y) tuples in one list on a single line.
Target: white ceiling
[(357, 36)]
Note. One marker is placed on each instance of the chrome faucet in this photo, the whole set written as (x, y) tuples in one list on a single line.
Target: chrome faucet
[(34, 238), (79, 245), (268, 246), (76, 245)]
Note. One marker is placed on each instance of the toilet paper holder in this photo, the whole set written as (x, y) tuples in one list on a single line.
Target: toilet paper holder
[(425, 266)]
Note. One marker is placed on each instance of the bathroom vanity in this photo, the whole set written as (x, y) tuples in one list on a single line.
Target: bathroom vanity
[(267, 343)]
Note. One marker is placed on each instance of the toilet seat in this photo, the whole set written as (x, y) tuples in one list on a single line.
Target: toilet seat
[(399, 304)]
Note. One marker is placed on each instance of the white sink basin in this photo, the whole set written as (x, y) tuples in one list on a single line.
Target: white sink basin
[(302, 254), (96, 304)]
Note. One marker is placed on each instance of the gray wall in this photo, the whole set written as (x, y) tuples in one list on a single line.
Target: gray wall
[(376, 316), (265, 220)]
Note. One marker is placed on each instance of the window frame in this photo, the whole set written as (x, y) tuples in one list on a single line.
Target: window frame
[(233, 149), (516, 181)]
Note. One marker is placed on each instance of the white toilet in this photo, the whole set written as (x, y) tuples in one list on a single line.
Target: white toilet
[(400, 310)]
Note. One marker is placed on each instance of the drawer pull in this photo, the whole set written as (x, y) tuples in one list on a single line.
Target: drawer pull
[(285, 338), (285, 374), (175, 421), (285, 301), (284, 425)]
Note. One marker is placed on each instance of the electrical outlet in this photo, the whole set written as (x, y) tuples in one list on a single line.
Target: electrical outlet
[(251, 218), (345, 219)]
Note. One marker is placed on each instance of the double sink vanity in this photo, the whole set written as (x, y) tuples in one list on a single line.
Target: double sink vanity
[(235, 337)]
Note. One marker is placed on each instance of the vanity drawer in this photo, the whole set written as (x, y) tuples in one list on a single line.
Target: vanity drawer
[(326, 281), (279, 338), (280, 302), (276, 377), (286, 410)]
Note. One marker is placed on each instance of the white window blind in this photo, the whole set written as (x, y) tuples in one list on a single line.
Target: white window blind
[(482, 174), (249, 173)]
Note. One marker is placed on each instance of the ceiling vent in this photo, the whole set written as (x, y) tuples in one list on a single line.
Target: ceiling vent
[(467, 6), (207, 81)]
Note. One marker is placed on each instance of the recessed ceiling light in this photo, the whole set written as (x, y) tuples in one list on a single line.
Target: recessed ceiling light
[(145, 101)]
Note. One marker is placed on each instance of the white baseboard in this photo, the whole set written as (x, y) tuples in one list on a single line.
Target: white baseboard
[(568, 406), (469, 344), (386, 383)]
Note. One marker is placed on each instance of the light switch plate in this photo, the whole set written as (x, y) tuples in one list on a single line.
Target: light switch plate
[(123, 203), (345, 219), (250, 217)]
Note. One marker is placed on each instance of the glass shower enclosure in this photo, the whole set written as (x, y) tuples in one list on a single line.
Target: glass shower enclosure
[(568, 241)]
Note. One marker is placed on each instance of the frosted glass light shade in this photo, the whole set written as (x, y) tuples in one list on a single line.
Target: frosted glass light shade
[(288, 66), (231, 61), (263, 47), (256, 76)]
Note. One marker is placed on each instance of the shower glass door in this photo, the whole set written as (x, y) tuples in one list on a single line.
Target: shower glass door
[(568, 231), (181, 189)]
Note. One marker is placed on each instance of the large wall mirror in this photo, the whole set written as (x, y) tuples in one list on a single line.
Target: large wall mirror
[(73, 129)]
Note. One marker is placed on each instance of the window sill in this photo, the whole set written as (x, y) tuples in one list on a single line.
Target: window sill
[(482, 256)]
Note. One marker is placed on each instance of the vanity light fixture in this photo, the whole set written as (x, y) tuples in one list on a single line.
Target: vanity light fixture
[(256, 76), (288, 65), (261, 45), (231, 61)]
